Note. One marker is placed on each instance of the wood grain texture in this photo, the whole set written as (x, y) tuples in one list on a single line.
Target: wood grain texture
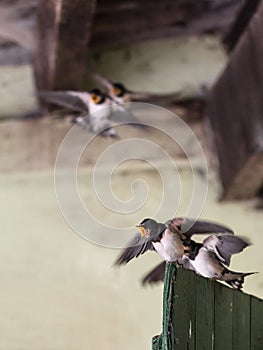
[(256, 342), (235, 109), (223, 317), (241, 321), (240, 23), (63, 34), (123, 23), (204, 313), (184, 310)]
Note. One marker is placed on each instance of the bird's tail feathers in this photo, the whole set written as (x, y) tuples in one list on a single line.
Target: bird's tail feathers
[(235, 279)]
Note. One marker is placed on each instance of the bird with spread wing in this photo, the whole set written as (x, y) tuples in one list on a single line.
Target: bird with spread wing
[(97, 109), (172, 241)]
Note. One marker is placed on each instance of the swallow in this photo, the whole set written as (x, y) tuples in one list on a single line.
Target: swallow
[(174, 245), (96, 107), (166, 238), (208, 259), (121, 94)]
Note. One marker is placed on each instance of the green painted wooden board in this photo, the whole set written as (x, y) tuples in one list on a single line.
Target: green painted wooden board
[(223, 314), (256, 342), (168, 342), (184, 309), (200, 314), (204, 313), (157, 342), (241, 321)]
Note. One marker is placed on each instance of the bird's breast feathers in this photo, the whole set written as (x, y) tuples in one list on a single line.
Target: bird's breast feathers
[(206, 264), (170, 246), (100, 110)]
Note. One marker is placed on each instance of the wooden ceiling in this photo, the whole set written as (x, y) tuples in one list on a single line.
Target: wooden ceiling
[(122, 22), (118, 23)]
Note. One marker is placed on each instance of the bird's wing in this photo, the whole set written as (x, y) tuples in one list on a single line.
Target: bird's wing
[(83, 121), (224, 246), (191, 227), (72, 100), (104, 83), (155, 275), (137, 96), (158, 99), (137, 246), (122, 115)]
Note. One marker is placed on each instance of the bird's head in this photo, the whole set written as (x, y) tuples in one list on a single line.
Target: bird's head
[(118, 89), (97, 96), (150, 228)]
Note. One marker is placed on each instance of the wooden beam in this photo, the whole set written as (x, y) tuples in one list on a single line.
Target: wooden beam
[(48, 13), (63, 35), (244, 16), (121, 23), (235, 109)]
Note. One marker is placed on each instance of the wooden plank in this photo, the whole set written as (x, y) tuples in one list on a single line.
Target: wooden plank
[(63, 30), (241, 22), (46, 28), (168, 341), (157, 342), (223, 317), (241, 320), (204, 313), (72, 43), (249, 97), (237, 122), (246, 100), (256, 324), (255, 32), (154, 20), (184, 309)]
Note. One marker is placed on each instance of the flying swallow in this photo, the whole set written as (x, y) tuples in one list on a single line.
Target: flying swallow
[(121, 94), (97, 109)]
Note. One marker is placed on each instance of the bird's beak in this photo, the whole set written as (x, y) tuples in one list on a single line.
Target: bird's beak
[(142, 230)]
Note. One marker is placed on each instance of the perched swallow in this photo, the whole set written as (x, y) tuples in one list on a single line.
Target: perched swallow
[(166, 238), (174, 244), (208, 259)]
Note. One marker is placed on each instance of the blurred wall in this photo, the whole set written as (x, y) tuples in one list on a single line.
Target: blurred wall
[(59, 291)]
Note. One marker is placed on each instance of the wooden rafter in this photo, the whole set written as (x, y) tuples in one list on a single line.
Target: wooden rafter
[(235, 109), (63, 34)]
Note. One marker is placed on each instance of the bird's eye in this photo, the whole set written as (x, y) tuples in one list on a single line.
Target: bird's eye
[(95, 98)]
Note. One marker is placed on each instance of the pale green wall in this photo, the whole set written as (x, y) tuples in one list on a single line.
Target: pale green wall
[(59, 291), (162, 66)]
